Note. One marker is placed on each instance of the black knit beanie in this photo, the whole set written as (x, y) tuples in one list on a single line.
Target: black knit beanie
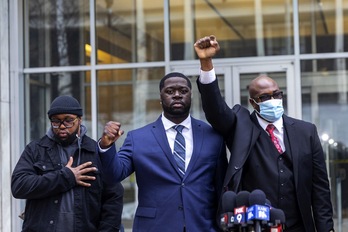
[(65, 105)]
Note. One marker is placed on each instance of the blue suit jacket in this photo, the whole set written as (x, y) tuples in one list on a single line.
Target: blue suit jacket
[(168, 202)]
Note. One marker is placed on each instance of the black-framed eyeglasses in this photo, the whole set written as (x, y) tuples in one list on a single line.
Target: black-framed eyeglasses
[(67, 122), (266, 97)]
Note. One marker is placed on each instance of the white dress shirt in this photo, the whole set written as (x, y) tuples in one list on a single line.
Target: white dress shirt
[(186, 132), (207, 77), (278, 131)]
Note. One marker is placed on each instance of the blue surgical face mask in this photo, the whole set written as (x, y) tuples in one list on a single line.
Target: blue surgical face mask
[(271, 110)]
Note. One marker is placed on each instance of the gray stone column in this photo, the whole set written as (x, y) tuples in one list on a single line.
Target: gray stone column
[(11, 113), (5, 116)]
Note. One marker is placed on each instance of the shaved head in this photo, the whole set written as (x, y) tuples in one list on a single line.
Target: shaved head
[(262, 84)]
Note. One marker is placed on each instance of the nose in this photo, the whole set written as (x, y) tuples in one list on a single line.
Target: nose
[(177, 93), (62, 124)]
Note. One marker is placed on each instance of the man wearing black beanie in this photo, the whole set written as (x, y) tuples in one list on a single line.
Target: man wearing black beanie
[(59, 176)]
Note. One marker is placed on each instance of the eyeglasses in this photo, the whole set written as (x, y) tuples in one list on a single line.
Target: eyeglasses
[(67, 122), (266, 97)]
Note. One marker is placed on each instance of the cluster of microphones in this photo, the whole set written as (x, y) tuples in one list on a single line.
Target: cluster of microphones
[(250, 212)]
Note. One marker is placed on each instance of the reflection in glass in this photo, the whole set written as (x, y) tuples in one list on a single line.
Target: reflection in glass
[(55, 32), (243, 28), (129, 31), (325, 103), (322, 26)]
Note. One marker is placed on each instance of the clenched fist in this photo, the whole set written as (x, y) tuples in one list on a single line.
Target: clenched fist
[(206, 47), (111, 133)]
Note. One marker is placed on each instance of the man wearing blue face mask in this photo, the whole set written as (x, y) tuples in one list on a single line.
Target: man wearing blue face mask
[(270, 151), (268, 106)]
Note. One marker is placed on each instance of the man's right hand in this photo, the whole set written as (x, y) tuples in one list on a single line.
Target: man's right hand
[(111, 133), (80, 172)]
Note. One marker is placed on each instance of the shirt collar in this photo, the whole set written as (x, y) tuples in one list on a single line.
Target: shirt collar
[(169, 124), (277, 124)]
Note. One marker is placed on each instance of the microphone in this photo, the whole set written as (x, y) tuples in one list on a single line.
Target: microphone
[(268, 202), (228, 204), (258, 211), (242, 202), (277, 220)]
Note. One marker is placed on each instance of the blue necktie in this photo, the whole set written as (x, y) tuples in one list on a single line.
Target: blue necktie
[(179, 149)]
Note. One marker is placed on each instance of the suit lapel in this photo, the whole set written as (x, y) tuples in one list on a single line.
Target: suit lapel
[(197, 134), (291, 133)]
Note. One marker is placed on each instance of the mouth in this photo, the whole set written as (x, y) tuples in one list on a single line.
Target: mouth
[(63, 134), (177, 104)]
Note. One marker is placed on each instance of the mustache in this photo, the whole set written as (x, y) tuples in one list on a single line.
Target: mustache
[(177, 102), (63, 130)]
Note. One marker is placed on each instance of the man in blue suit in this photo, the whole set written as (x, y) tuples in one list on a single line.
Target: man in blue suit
[(172, 197), (285, 161)]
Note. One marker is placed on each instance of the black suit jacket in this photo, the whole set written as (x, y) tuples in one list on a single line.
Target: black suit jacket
[(241, 132)]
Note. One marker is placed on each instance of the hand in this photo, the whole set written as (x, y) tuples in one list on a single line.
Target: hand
[(111, 133), (80, 172), (206, 47)]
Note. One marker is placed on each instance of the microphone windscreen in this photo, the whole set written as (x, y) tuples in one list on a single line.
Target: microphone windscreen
[(277, 215), (242, 199), (257, 197), (268, 203), (228, 201)]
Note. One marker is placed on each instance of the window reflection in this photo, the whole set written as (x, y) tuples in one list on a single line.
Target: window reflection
[(129, 31), (324, 102), (244, 28), (322, 26), (56, 32)]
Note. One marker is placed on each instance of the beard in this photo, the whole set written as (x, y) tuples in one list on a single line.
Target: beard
[(70, 139), (176, 112)]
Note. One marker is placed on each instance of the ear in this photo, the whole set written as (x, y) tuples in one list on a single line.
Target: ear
[(80, 120), (79, 126), (251, 101)]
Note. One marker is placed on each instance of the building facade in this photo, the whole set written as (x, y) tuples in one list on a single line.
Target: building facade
[(110, 55)]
